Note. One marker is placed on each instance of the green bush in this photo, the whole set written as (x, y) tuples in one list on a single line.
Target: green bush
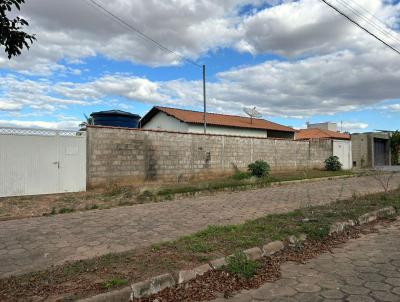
[(332, 163), (259, 168), (240, 265)]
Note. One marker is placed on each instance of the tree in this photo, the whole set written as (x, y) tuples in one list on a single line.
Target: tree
[(395, 146), (12, 35)]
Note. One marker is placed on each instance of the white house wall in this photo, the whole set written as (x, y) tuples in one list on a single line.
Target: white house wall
[(162, 121), (342, 149), (198, 128)]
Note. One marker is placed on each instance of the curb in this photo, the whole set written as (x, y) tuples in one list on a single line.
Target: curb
[(156, 284)]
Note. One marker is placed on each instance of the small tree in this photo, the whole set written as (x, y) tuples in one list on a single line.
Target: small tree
[(259, 168), (332, 163), (395, 147)]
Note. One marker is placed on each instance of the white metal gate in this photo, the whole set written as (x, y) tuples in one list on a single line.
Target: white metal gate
[(39, 161), (342, 149)]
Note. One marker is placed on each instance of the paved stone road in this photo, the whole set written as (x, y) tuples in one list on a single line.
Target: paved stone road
[(37, 243), (363, 270)]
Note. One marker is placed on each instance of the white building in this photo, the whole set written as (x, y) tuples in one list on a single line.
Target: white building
[(178, 120), (341, 142)]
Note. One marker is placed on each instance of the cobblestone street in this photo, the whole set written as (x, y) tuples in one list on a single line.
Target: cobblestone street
[(362, 270), (37, 243)]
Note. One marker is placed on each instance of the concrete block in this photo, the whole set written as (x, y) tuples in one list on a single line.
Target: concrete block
[(187, 275), (152, 286), (367, 218), (124, 294), (387, 211), (273, 247), (254, 253)]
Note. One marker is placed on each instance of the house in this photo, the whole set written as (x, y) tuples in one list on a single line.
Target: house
[(179, 120), (341, 142), (371, 149)]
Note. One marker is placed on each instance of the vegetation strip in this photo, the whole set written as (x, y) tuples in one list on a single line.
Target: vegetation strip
[(90, 277), (243, 263), (117, 196)]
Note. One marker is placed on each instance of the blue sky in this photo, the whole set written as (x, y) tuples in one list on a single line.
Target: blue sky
[(296, 61)]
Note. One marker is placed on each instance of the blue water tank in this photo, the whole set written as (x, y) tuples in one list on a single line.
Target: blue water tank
[(116, 118)]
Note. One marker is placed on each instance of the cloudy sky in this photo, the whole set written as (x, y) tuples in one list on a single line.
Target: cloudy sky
[(296, 61)]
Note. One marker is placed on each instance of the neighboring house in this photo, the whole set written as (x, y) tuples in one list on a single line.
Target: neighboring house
[(172, 119), (371, 149), (341, 142)]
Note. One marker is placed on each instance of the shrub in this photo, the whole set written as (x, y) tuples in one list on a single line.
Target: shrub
[(332, 163), (240, 265), (259, 168)]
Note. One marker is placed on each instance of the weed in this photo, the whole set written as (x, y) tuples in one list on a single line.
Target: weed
[(114, 191), (53, 211), (68, 198), (240, 175), (65, 210), (146, 196), (242, 266), (115, 282)]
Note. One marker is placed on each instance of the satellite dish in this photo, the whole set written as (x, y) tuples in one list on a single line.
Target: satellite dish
[(252, 112)]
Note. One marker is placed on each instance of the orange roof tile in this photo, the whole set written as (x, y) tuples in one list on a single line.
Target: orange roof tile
[(320, 133), (196, 117)]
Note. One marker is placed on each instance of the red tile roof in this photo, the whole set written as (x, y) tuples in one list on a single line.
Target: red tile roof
[(311, 133), (196, 117)]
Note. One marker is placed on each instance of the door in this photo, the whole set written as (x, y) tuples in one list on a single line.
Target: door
[(35, 161), (342, 149), (379, 152)]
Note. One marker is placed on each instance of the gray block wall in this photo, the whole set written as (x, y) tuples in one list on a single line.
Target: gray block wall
[(126, 155)]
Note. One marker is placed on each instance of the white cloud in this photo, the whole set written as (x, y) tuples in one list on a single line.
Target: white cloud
[(352, 126), (8, 106), (311, 27), (61, 125), (75, 29), (392, 107)]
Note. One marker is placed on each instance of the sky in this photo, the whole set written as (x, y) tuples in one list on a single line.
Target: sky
[(295, 61)]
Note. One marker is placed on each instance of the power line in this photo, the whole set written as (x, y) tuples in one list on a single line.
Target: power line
[(378, 23), (377, 26), (141, 34), (360, 26)]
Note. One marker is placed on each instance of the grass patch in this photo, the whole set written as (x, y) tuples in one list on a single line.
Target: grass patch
[(115, 282), (240, 265), (115, 191), (66, 210), (239, 181)]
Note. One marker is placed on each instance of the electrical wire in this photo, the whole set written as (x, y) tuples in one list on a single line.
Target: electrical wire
[(140, 33), (377, 26), (360, 26), (378, 22)]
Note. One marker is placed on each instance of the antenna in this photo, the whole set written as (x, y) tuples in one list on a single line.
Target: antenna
[(252, 112)]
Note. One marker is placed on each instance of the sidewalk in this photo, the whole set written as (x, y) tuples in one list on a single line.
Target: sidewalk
[(365, 269), (37, 243)]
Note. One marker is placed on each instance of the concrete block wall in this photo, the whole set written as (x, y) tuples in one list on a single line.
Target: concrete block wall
[(126, 155)]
